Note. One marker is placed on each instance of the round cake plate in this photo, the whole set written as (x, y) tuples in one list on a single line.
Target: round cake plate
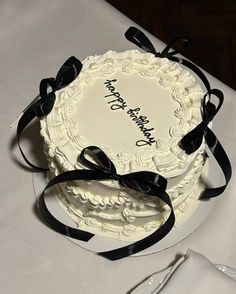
[(99, 244)]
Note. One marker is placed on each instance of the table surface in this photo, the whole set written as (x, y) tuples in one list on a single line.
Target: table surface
[(36, 38)]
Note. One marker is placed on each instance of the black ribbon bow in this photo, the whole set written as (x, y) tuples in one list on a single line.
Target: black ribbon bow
[(192, 141), (43, 106), (148, 183)]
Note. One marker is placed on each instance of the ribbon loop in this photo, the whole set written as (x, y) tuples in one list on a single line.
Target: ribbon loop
[(45, 104), (137, 37), (68, 72), (210, 109)]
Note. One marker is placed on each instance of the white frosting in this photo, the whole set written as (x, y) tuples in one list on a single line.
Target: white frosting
[(98, 109)]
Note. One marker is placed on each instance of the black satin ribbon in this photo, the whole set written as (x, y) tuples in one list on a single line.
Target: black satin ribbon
[(137, 37), (148, 183), (43, 106), (193, 140)]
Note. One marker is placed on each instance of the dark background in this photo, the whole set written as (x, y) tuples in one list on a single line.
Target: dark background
[(210, 26)]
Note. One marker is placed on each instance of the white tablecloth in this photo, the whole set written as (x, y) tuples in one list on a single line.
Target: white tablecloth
[(36, 37)]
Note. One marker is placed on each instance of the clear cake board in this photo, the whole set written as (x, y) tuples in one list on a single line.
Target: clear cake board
[(99, 244)]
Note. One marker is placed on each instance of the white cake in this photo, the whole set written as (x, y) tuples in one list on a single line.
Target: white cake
[(136, 108)]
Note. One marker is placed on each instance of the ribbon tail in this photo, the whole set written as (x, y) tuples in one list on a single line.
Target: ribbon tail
[(60, 227), (26, 118), (223, 161), (147, 242), (137, 37), (55, 224)]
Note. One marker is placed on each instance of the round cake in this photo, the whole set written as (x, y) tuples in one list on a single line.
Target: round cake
[(135, 107)]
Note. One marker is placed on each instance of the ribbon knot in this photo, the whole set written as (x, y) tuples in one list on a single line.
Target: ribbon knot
[(66, 74), (144, 181), (193, 140)]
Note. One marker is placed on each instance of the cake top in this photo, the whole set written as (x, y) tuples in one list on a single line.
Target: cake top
[(133, 105)]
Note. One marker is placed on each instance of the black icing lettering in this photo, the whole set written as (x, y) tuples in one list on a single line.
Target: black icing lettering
[(108, 82), (118, 103), (131, 112), (116, 94), (117, 106), (140, 120), (141, 143)]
